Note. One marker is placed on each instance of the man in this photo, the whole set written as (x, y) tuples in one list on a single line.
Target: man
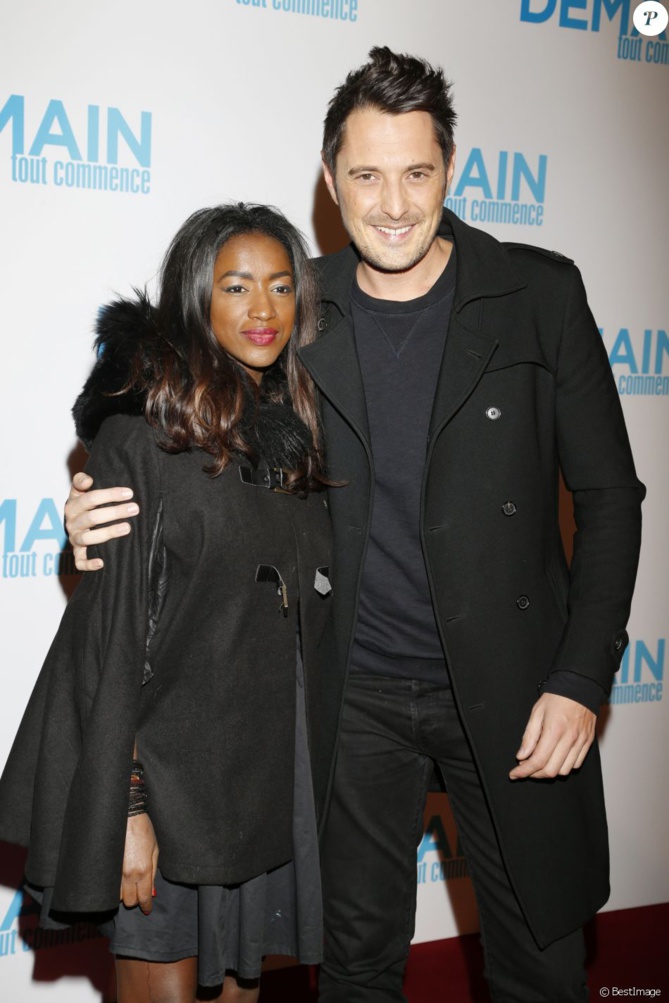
[(457, 375)]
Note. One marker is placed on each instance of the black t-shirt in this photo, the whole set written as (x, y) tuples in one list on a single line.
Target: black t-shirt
[(400, 347)]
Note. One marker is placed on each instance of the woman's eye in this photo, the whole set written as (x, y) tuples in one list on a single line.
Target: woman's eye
[(234, 289), (283, 290)]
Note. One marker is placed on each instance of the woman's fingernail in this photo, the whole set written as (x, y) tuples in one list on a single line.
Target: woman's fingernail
[(133, 509), (154, 893), (126, 493)]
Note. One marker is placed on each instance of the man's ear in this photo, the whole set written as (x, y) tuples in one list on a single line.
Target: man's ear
[(330, 181), (450, 170)]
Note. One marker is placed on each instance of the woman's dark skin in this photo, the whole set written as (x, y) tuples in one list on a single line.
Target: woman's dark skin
[(153, 982)]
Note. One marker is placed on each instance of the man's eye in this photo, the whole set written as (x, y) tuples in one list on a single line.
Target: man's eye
[(418, 175), (365, 177)]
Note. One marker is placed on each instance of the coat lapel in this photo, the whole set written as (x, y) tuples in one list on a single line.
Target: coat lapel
[(332, 362), (466, 355), (485, 273)]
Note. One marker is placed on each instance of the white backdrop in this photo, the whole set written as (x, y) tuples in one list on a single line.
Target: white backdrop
[(562, 142)]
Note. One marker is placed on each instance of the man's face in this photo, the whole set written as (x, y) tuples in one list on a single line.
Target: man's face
[(390, 183)]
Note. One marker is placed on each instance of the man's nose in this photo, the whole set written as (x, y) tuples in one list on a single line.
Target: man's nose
[(394, 201)]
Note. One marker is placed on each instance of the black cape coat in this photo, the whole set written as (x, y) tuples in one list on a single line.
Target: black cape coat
[(525, 389), (180, 642)]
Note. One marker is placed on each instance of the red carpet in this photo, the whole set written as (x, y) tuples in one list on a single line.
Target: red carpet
[(627, 949)]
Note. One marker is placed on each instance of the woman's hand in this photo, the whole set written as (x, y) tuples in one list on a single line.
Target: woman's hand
[(140, 862)]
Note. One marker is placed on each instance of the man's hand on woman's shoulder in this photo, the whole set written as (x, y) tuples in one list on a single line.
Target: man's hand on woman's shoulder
[(91, 517)]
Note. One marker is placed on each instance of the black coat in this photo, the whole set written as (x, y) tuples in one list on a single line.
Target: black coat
[(211, 701), (525, 389)]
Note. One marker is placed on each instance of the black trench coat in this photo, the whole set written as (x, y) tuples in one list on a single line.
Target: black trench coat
[(525, 389), (211, 701)]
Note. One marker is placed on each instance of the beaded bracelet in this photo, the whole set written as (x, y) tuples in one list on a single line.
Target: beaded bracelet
[(138, 798)]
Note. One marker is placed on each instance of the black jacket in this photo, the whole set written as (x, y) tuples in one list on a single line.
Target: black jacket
[(211, 698), (525, 389)]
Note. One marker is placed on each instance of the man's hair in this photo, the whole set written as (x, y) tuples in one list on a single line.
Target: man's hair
[(393, 83)]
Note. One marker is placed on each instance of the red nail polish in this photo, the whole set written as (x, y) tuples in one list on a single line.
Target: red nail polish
[(153, 893)]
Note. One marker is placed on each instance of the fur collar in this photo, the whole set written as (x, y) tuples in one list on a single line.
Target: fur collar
[(123, 327), (127, 327)]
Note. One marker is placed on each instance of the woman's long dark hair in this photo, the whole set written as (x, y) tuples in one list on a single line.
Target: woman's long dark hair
[(196, 393)]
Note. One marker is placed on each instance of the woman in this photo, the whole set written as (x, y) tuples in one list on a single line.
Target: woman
[(163, 749)]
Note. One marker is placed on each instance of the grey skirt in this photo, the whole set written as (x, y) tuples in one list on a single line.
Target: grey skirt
[(231, 927)]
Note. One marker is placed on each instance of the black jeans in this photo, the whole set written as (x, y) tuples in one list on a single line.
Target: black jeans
[(393, 731)]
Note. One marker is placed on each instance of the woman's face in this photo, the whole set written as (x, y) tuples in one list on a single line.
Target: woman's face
[(253, 300)]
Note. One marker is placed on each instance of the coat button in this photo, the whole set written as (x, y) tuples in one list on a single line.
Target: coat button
[(493, 413), (522, 602), (508, 508), (322, 324), (618, 643)]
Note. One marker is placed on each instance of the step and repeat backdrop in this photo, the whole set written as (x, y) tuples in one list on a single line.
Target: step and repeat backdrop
[(118, 121)]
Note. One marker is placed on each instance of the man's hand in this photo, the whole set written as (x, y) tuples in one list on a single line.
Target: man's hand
[(140, 862), (82, 515), (557, 738)]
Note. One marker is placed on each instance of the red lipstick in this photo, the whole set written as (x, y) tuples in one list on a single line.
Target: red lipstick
[(260, 335)]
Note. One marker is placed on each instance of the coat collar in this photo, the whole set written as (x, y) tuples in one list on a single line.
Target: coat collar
[(484, 269)]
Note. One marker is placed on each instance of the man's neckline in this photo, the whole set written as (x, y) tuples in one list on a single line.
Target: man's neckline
[(403, 287)]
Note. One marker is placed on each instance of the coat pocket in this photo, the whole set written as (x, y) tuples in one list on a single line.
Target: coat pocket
[(157, 588)]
